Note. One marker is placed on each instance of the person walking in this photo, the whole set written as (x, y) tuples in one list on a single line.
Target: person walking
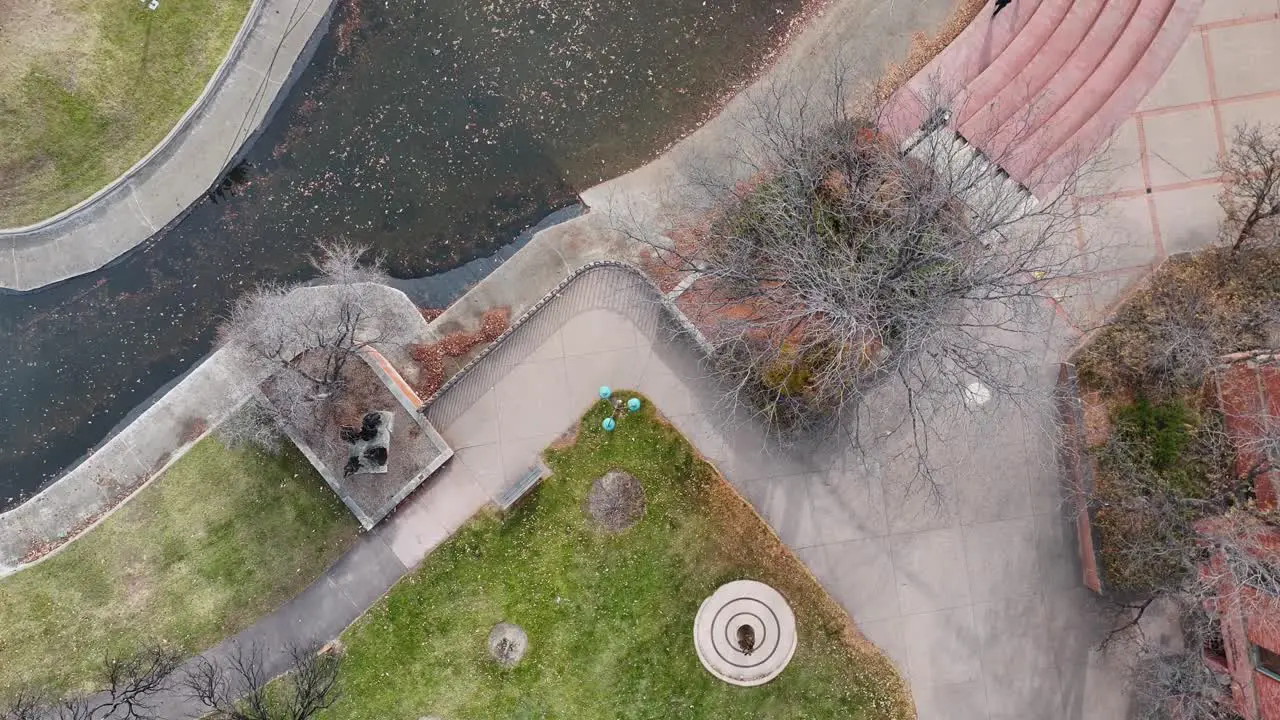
[(1000, 5)]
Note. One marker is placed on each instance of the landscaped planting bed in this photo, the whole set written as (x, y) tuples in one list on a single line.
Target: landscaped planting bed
[(1153, 423)]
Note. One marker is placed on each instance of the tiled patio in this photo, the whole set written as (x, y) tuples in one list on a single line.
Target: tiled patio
[(1162, 195)]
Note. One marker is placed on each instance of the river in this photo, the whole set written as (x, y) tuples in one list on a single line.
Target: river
[(432, 131)]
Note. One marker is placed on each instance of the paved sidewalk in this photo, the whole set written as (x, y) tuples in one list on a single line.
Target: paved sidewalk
[(976, 599), (186, 164)]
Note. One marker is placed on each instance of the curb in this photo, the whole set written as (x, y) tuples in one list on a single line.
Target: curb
[(667, 301), (1077, 467), (272, 48)]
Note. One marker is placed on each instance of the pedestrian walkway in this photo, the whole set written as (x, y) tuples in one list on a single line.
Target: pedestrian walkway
[(975, 597)]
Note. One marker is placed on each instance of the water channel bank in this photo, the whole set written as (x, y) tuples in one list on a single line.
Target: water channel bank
[(433, 131)]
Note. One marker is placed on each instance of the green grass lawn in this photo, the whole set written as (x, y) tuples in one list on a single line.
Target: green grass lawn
[(220, 539), (87, 87), (609, 618)]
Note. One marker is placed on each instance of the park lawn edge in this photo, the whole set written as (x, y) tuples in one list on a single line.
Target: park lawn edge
[(199, 583), (85, 112), (779, 566)]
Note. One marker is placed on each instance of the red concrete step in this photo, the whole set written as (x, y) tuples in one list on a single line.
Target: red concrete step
[(1102, 122), (950, 72), (1056, 70), (1103, 79), (1042, 24)]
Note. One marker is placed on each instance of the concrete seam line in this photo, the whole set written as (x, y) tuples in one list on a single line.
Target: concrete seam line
[(210, 89)]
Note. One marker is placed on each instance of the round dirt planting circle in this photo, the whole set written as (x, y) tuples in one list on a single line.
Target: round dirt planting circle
[(616, 501), (745, 633), (507, 644)]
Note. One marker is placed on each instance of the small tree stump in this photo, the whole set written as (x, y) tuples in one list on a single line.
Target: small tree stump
[(616, 501)]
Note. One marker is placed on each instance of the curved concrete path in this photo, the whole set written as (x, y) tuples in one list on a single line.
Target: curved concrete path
[(279, 35)]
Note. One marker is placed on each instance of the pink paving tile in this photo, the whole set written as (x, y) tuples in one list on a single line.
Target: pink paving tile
[(1188, 217), (1109, 290), (1122, 160), (1100, 122), (1245, 58), (1263, 110), (1181, 146), (1120, 233), (1222, 10), (1185, 82)]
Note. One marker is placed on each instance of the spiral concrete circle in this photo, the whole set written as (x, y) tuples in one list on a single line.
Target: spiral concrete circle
[(745, 633)]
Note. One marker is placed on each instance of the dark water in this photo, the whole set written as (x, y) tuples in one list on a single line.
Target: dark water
[(433, 131)]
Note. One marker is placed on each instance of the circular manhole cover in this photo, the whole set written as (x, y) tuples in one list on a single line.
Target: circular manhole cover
[(745, 633), (507, 644)]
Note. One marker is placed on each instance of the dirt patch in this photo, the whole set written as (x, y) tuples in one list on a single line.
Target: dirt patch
[(61, 32), (138, 587), (616, 501)]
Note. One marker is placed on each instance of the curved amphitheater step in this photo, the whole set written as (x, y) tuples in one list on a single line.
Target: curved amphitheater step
[(1039, 87)]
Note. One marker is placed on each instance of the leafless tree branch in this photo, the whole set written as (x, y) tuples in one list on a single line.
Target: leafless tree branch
[(129, 686), (240, 688), (1251, 185)]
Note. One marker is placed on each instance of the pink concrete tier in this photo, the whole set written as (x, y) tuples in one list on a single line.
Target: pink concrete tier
[(1035, 33), (950, 72), (1103, 122), (1101, 79), (1038, 91), (1056, 69)]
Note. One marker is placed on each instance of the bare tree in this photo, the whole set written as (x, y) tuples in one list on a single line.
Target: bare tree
[(1251, 185), (311, 334), (315, 333), (251, 425), (240, 689), (845, 263), (128, 688), (1176, 684)]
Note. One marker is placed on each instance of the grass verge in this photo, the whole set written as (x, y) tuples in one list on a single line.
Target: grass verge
[(88, 88), (219, 540), (609, 618)]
